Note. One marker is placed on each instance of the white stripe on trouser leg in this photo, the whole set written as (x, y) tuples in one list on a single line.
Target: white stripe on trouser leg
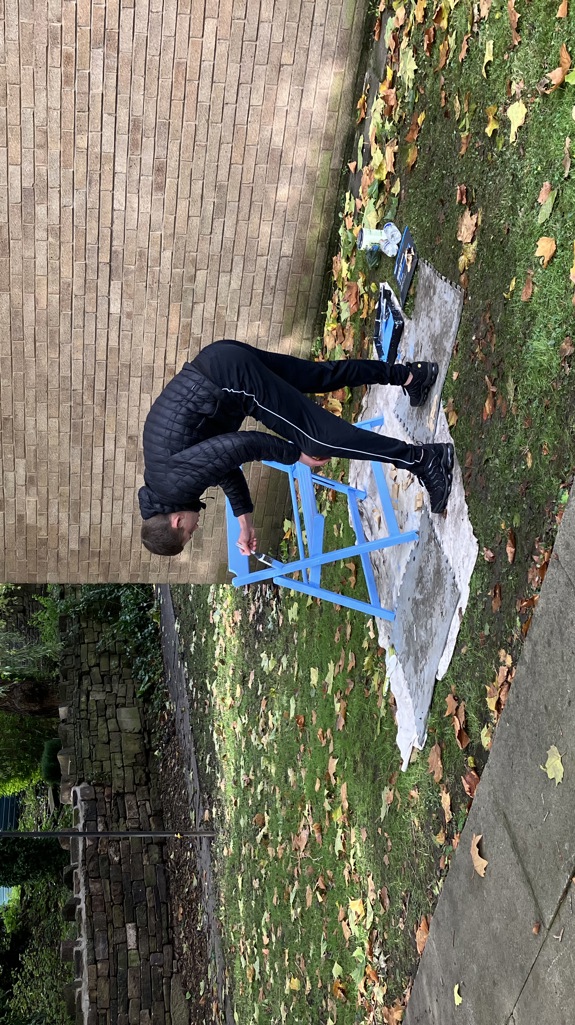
[(325, 444)]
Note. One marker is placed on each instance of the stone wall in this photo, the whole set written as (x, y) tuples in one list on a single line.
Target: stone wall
[(123, 956)]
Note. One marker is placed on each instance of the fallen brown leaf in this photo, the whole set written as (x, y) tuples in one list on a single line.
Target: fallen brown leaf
[(451, 702), (428, 38), (479, 863), (467, 226), (434, 762), (566, 349), (527, 287), (465, 140), (470, 783), (511, 545), (338, 989), (557, 77), (414, 126), (461, 737), (446, 805), (421, 934), (513, 19)]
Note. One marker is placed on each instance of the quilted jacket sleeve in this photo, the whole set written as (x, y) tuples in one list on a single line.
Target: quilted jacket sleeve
[(217, 461)]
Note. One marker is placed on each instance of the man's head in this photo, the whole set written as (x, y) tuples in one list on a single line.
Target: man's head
[(167, 533)]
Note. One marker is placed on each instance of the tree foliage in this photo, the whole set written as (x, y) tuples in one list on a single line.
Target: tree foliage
[(23, 859)]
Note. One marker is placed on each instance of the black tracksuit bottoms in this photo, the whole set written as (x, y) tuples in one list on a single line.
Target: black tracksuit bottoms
[(271, 388)]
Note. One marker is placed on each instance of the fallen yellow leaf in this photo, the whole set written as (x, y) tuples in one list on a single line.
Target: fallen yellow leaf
[(488, 56), (546, 247), (516, 113), (357, 907), (553, 766), (492, 122), (457, 995)]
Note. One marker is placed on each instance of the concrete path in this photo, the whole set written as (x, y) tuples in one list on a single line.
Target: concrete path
[(507, 940)]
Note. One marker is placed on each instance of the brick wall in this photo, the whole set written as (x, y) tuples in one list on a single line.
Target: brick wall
[(123, 954), (168, 170)]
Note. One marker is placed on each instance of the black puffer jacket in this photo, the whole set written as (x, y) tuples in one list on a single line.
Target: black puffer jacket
[(192, 441)]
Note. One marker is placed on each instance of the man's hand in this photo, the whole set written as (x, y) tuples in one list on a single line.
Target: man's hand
[(247, 542), (312, 461)]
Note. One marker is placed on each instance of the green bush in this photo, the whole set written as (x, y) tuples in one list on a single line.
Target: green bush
[(10, 1017), (37, 984), (38, 987), (21, 659), (50, 769), (23, 859), (10, 913)]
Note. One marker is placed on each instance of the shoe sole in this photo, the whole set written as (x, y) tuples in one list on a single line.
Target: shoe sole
[(427, 385), (447, 462)]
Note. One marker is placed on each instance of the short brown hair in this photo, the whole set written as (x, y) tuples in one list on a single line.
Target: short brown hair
[(159, 537)]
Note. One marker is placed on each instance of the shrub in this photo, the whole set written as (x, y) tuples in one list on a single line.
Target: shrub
[(37, 984), (50, 769), (21, 659), (36, 990), (23, 739), (23, 859)]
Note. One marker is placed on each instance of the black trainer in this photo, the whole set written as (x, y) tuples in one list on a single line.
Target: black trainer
[(436, 474), (424, 377)]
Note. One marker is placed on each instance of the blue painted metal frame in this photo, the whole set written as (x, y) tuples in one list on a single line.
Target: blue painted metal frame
[(310, 539), (388, 327)]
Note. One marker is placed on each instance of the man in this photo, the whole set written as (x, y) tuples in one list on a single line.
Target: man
[(192, 437)]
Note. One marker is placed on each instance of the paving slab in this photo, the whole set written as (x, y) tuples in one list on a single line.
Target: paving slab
[(552, 974), (481, 936), (427, 602), (438, 303), (507, 939)]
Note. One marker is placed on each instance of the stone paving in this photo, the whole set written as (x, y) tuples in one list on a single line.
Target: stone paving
[(168, 174), (507, 939)]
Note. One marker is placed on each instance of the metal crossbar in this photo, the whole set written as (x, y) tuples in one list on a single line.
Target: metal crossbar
[(303, 573)]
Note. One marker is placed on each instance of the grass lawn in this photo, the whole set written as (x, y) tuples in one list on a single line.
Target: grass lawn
[(330, 859), (328, 854)]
